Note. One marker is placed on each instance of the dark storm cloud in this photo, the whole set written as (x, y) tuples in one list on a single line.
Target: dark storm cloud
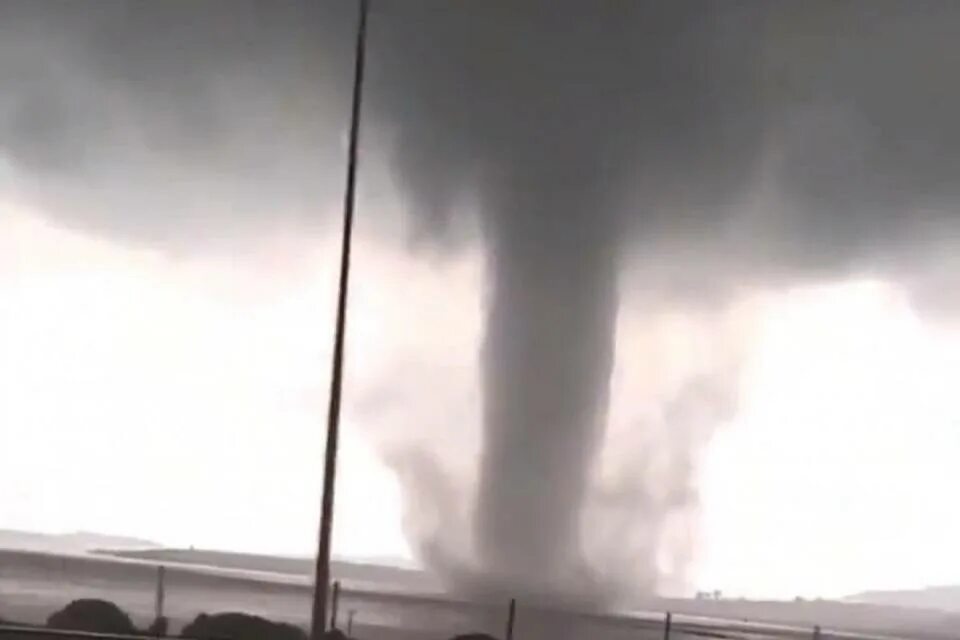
[(844, 109), (175, 122), (706, 144)]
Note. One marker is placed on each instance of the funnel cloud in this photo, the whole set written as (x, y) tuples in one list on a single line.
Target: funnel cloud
[(536, 112)]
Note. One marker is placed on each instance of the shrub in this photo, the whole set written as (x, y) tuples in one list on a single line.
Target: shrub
[(92, 615), (241, 626)]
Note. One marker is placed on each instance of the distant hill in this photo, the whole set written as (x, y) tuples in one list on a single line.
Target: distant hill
[(77, 542), (354, 572), (387, 573), (943, 598)]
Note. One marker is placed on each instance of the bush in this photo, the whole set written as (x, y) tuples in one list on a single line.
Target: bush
[(92, 615), (241, 626)]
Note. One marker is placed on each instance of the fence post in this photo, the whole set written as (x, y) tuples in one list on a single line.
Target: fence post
[(511, 614), (334, 605), (666, 626), (160, 595)]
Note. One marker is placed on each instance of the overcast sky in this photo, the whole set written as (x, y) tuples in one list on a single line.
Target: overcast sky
[(166, 303)]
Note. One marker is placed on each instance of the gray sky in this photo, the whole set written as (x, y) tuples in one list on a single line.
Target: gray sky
[(168, 183)]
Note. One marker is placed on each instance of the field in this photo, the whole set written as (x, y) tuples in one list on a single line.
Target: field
[(389, 604)]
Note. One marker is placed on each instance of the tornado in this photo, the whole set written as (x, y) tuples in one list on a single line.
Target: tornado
[(547, 359), (537, 113), (544, 182)]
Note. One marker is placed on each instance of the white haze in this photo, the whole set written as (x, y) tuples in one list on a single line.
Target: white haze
[(181, 383)]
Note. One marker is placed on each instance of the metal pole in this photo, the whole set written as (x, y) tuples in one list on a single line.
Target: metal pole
[(322, 573), (511, 615), (350, 615), (335, 605), (666, 626)]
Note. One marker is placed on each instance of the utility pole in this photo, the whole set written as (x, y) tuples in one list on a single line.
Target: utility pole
[(322, 573)]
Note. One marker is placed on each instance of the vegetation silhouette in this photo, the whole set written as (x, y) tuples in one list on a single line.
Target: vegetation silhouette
[(103, 616), (89, 614), (241, 626)]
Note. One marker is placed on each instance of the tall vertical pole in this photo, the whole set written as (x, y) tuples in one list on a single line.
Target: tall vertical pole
[(322, 573), (511, 616), (666, 626)]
